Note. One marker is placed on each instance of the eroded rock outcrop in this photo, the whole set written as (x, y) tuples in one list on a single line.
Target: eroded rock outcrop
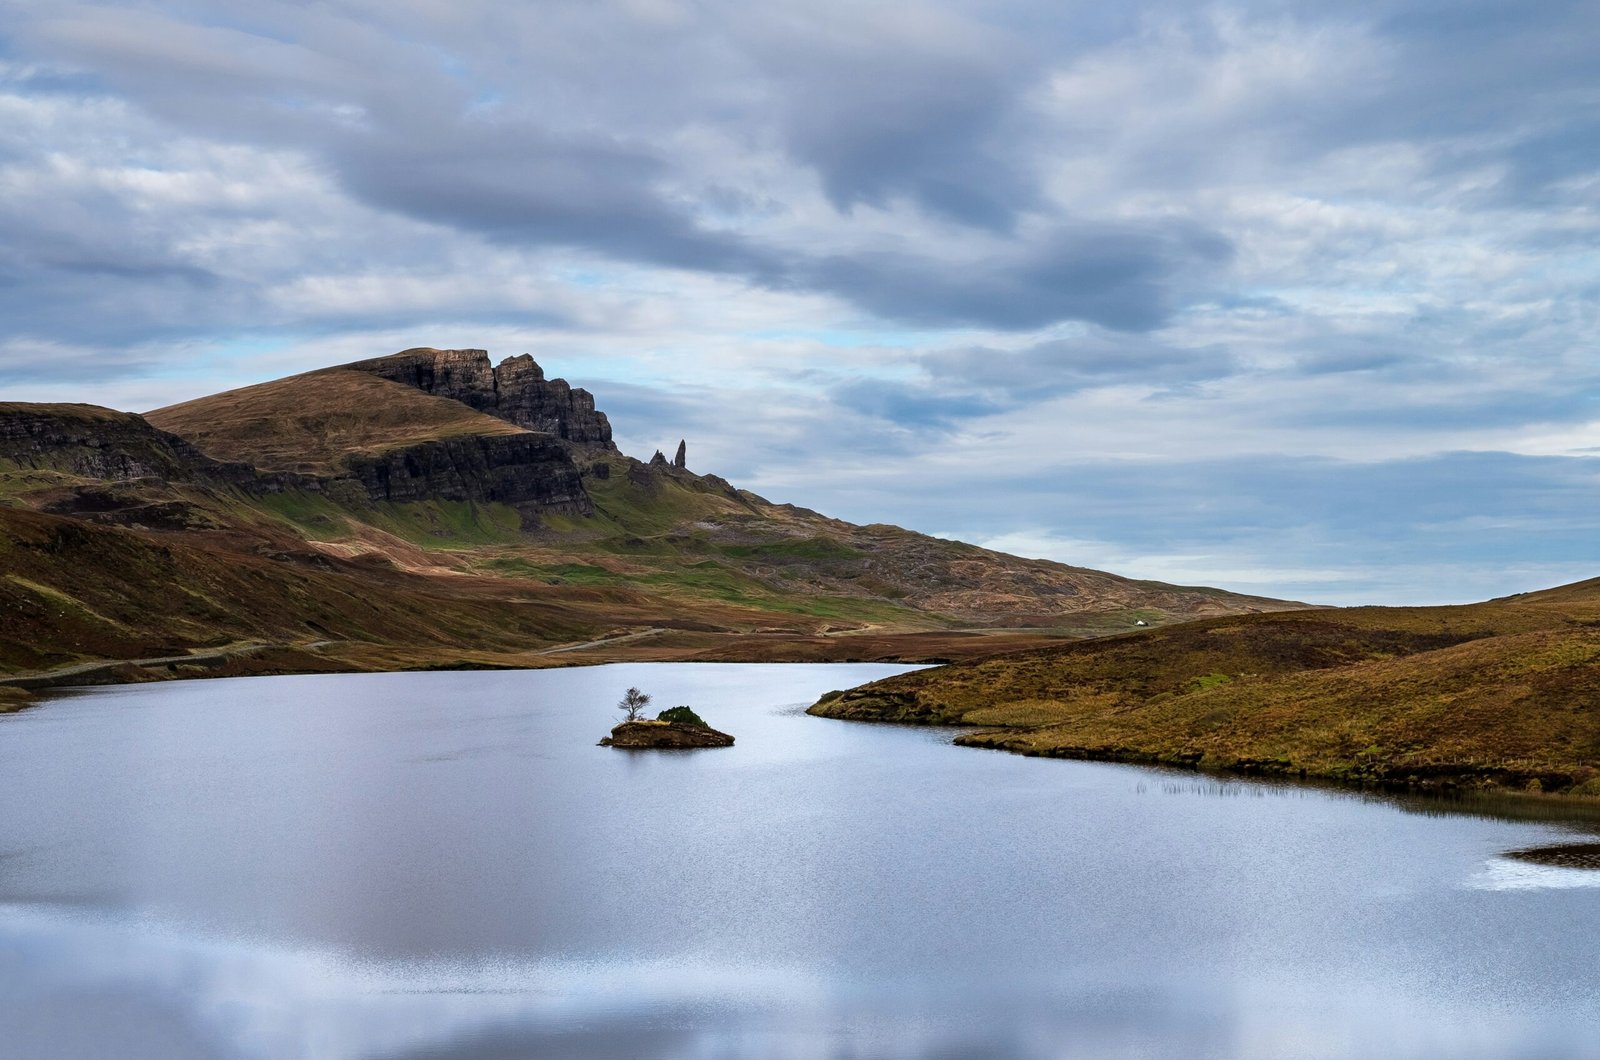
[(516, 390)]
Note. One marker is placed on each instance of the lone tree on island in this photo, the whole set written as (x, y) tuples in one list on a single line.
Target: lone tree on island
[(633, 703)]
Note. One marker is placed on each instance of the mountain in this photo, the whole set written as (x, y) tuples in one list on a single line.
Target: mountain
[(1504, 693), (433, 508)]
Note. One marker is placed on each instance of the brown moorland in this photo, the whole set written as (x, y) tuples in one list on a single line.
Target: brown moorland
[(1504, 693)]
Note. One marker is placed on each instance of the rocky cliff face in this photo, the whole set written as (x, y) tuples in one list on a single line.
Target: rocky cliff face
[(99, 443), (515, 390), (529, 472)]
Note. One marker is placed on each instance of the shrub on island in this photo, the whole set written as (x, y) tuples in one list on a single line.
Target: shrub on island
[(683, 716)]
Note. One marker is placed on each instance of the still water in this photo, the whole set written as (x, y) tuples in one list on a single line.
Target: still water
[(445, 865)]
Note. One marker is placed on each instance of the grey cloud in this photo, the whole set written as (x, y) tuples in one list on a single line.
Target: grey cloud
[(1514, 82), (1341, 356), (908, 102), (924, 108), (968, 383), (516, 185), (1125, 276), (912, 406), (1097, 359)]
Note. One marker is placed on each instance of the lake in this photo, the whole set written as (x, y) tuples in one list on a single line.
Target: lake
[(444, 865)]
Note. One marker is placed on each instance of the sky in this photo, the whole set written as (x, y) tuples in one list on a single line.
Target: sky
[(1298, 299)]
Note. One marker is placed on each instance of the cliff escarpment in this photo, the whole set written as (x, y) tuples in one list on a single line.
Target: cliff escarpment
[(525, 470), (352, 433), (99, 443), (116, 467), (516, 390)]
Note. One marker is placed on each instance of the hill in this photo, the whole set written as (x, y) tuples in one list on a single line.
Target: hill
[(431, 508), (1504, 693), (311, 424)]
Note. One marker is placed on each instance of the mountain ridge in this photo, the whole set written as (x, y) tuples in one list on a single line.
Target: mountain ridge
[(437, 474)]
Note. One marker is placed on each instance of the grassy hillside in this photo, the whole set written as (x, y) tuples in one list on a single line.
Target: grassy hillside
[(65, 410), (1506, 692), (73, 592), (310, 423)]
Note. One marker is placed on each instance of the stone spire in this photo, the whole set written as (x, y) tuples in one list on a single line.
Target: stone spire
[(681, 460)]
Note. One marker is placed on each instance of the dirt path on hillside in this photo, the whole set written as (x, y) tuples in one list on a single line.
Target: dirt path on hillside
[(77, 674), (605, 642)]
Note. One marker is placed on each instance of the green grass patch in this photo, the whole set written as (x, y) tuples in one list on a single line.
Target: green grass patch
[(450, 523), (709, 580), (61, 599), (314, 515), (556, 573), (809, 549), (1205, 681)]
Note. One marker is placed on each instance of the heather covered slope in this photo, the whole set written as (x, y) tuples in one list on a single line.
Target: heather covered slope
[(1504, 692)]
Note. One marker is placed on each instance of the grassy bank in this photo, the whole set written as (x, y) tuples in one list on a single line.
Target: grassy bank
[(1503, 694)]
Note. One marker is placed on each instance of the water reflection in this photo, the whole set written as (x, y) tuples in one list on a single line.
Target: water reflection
[(1577, 813), (155, 991), (445, 865), (1561, 856)]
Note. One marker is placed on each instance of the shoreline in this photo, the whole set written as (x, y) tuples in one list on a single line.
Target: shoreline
[(259, 659), (1436, 780)]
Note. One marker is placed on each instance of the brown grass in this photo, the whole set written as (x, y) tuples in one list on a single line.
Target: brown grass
[(1506, 692), (309, 423)]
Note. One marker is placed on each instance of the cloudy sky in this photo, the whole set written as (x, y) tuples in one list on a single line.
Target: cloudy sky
[(1296, 298)]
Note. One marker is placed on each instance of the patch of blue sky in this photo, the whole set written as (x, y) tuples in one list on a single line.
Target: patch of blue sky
[(487, 99), (451, 65), (592, 279), (233, 357)]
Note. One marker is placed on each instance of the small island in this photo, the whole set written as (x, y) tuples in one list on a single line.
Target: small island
[(674, 728)]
